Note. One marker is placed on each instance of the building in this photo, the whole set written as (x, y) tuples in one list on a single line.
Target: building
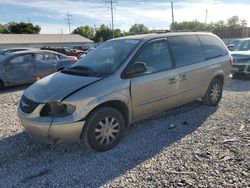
[(41, 40)]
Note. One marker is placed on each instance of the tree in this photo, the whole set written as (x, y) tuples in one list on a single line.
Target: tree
[(22, 28), (103, 33), (85, 31), (190, 25), (243, 23), (235, 22), (3, 29), (118, 33), (218, 25), (138, 29)]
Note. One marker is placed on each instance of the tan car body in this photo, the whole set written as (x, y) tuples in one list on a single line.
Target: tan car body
[(136, 97)]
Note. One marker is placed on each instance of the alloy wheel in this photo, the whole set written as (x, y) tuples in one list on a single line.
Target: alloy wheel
[(107, 130)]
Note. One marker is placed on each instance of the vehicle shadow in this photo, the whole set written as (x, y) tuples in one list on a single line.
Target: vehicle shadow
[(29, 163), (237, 85), (12, 89)]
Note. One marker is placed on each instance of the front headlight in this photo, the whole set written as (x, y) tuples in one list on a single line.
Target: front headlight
[(57, 109)]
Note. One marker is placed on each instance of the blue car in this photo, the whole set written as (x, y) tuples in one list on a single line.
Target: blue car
[(28, 66)]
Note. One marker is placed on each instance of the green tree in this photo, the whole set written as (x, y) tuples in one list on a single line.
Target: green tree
[(190, 25), (243, 23), (138, 29), (85, 31), (218, 25), (233, 22), (3, 29), (118, 33), (22, 28), (236, 22), (103, 33)]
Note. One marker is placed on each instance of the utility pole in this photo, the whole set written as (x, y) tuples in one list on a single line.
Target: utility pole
[(206, 18), (112, 2), (172, 8), (69, 21)]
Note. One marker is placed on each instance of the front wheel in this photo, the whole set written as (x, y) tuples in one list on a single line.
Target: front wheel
[(104, 129), (214, 93)]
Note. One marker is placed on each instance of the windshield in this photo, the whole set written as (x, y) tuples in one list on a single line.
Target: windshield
[(105, 59), (242, 45), (2, 51)]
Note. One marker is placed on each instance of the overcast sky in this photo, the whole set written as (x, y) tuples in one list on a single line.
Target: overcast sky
[(156, 14)]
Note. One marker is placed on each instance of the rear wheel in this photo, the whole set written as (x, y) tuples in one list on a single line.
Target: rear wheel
[(214, 93), (104, 129)]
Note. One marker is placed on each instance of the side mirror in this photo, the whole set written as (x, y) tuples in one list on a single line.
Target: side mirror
[(230, 47), (137, 68)]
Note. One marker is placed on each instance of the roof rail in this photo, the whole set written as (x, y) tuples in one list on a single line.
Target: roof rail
[(186, 30)]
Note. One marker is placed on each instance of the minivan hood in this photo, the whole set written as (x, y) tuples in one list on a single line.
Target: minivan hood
[(56, 87)]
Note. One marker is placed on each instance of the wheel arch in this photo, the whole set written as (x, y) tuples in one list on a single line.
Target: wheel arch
[(116, 104), (219, 77)]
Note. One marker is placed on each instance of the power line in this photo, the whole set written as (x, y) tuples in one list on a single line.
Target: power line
[(69, 18), (112, 3)]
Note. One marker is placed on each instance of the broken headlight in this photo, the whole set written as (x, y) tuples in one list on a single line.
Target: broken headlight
[(57, 109)]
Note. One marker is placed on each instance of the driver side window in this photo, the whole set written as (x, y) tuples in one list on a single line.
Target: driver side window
[(156, 56)]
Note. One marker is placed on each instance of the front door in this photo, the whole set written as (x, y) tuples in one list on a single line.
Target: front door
[(20, 69), (154, 90)]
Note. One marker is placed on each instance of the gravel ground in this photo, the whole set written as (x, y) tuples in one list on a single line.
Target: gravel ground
[(191, 146)]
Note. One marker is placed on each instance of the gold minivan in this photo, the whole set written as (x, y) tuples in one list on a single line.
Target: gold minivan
[(124, 80)]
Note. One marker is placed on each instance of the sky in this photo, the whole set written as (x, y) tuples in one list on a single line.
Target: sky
[(155, 14)]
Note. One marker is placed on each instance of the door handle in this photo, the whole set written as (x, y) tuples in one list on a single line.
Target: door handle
[(172, 80), (183, 77)]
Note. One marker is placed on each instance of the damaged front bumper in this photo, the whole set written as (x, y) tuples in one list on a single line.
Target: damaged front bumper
[(49, 130)]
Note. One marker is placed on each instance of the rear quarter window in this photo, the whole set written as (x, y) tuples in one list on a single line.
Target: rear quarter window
[(212, 47), (186, 50)]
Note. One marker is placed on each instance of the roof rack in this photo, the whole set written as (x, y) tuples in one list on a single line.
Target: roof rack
[(173, 31), (186, 30)]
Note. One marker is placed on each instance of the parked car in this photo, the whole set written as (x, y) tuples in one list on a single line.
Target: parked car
[(87, 52), (65, 51), (10, 50), (241, 57), (27, 66), (81, 47), (124, 80)]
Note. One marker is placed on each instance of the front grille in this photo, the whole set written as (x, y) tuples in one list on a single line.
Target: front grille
[(240, 67), (241, 60), (27, 106)]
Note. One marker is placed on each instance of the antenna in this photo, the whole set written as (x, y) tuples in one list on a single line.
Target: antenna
[(69, 18), (112, 2)]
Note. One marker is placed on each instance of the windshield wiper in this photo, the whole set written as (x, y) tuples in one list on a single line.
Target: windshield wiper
[(81, 70)]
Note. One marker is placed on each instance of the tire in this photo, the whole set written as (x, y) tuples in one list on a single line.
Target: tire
[(214, 93), (104, 129)]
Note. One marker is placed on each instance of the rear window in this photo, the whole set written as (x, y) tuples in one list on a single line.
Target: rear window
[(186, 50), (212, 47)]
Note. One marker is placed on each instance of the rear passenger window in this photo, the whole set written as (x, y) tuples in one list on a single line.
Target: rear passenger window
[(156, 56), (186, 50), (27, 58), (212, 47)]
